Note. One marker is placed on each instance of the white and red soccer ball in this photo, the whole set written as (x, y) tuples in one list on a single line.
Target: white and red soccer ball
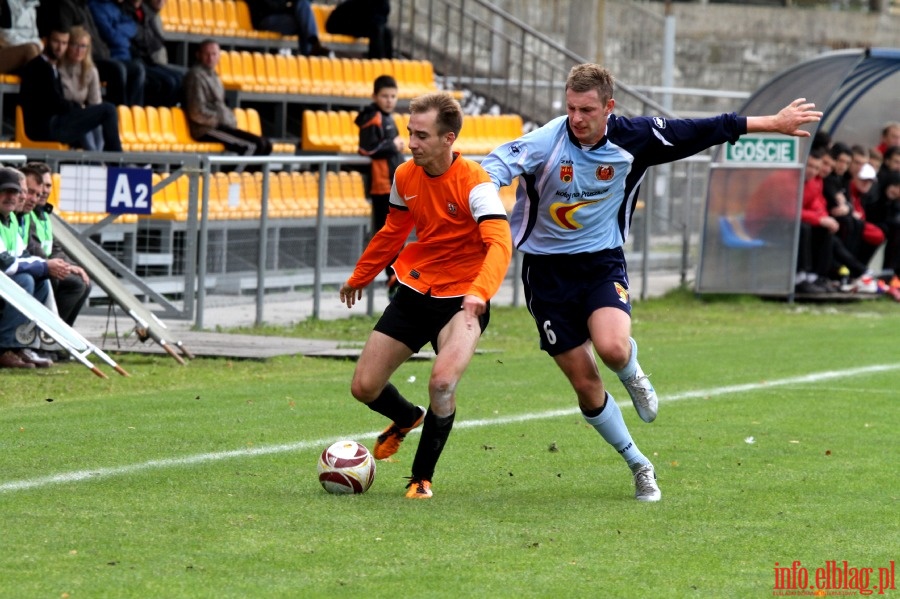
[(346, 467)]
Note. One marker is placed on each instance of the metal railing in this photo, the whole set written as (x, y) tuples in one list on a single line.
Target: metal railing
[(476, 46)]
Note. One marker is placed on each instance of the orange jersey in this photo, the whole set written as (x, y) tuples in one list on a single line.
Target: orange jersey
[(463, 243)]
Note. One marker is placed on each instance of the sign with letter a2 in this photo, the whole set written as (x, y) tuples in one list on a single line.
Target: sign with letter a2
[(129, 190)]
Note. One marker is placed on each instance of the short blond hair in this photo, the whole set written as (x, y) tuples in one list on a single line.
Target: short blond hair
[(449, 113), (588, 76)]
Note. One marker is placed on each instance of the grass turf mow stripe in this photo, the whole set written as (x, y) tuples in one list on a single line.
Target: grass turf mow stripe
[(94, 474)]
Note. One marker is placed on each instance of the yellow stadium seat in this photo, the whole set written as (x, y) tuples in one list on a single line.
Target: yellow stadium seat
[(226, 71), (208, 16), (353, 82), (304, 75), (167, 129), (232, 27), (242, 19), (240, 117), (127, 136), (253, 123), (168, 15), (23, 140), (290, 76), (154, 128), (316, 80), (142, 129), (275, 77)]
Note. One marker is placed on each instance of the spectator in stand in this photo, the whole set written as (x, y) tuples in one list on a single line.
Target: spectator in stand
[(48, 115), (29, 272), (209, 117), (164, 82), (879, 212), (19, 38), (289, 18), (364, 18), (876, 158), (890, 136), (124, 81), (71, 290), (835, 187), (81, 81), (871, 236), (380, 140)]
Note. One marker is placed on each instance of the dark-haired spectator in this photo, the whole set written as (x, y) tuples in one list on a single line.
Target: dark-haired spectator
[(48, 115), (289, 18), (209, 117)]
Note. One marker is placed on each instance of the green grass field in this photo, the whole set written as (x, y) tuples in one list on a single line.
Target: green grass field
[(776, 442)]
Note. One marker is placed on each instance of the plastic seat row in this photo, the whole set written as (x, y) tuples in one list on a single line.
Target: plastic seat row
[(265, 72), (237, 196), (232, 18), (336, 131), (163, 129)]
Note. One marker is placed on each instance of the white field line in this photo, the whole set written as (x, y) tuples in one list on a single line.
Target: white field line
[(97, 473)]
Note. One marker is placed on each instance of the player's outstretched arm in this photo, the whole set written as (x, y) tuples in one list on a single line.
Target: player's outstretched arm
[(788, 120)]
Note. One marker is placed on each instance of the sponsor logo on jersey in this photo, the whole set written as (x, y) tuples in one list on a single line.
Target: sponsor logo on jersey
[(566, 171), (659, 122), (564, 214), (452, 208), (605, 172), (623, 293)]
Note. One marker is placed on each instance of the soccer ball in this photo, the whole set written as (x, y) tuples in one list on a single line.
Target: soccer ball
[(346, 467)]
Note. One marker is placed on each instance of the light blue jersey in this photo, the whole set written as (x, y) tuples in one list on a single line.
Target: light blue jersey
[(572, 200)]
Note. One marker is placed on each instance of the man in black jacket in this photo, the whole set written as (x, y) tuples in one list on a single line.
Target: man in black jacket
[(48, 115)]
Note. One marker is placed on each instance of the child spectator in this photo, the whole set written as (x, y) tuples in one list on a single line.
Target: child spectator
[(380, 141)]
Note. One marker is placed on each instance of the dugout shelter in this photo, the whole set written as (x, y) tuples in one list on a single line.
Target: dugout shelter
[(858, 92)]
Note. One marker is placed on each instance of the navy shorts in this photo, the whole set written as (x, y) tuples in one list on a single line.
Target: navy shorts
[(562, 291), (415, 319)]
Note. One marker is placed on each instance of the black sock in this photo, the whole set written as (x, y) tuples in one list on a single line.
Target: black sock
[(395, 407), (435, 431), (595, 411)]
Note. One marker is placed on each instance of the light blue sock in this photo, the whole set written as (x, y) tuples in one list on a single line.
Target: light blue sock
[(630, 368), (611, 426)]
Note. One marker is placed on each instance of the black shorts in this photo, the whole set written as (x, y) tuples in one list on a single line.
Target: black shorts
[(562, 291), (415, 319)]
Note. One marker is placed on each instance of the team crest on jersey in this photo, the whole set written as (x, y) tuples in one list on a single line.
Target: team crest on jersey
[(605, 172), (566, 172), (622, 292), (452, 208), (659, 122)]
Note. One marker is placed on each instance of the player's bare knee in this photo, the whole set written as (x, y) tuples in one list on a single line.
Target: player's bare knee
[(614, 353), (362, 392)]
